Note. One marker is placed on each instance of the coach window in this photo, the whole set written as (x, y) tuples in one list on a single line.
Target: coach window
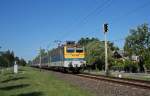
[(79, 50), (70, 50)]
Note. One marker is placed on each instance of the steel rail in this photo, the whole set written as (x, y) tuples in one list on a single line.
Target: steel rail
[(123, 81)]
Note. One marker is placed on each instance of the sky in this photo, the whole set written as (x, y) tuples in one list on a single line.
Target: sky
[(27, 25)]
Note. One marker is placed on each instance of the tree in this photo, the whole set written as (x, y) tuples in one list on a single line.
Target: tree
[(22, 62), (85, 41), (7, 59), (138, 43), (95, 53), (95, 49)]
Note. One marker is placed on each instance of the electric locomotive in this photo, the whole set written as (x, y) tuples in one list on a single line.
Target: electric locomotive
[(68, 57)]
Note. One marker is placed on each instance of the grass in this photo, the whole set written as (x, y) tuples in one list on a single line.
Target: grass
[(139, 78), (32, 82)]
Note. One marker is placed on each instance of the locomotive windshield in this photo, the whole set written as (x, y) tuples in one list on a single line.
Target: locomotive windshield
[(79, 50), (70, 50)]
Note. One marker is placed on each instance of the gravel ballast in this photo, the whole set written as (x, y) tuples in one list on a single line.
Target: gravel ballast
[(101, 88)]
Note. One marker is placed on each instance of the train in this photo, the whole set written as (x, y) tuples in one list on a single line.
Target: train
[(68, 57)]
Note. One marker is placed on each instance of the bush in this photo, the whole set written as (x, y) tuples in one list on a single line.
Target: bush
[(147, 60), (124, 65), (117, 64), (130, 66)]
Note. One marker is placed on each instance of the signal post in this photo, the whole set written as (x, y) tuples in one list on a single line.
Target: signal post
[(105, 29)]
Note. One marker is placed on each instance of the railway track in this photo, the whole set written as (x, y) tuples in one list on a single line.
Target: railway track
[(122, 81)]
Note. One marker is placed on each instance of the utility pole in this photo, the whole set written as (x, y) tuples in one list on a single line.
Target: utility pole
[(49, 55), (50, 58), (59, 49), (0, 51), (105, 27), (40, 59), (0, 62)]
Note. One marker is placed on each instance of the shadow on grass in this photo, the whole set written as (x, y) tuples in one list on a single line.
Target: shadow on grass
[(14, 87), (30, 94), (8, 73), (21, 70), (13, 79)]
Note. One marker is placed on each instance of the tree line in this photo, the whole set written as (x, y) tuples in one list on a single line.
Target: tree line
[(138, 43), (7, 59)]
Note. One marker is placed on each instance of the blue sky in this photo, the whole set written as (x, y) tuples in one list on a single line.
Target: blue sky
[(26, 25)]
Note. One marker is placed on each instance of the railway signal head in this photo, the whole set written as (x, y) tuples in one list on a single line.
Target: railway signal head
[(105, 27)]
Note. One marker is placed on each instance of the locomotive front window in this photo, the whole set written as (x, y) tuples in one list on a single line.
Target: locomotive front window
[(70, 50), (79, 50)]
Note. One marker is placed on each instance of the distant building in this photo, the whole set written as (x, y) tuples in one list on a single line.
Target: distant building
[(119, 54), (134, 58)]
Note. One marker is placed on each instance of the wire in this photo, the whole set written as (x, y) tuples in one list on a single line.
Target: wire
[(117, 19), (101, 7), (126, 14), (106, 5)]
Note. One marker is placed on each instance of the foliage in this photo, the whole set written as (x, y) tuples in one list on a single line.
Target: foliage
[(117, 64), (95, 52), (138, 43), (85, 41), (130, 66), (124, 65), (138, 40), (7, 59), (147, 59), (21, 61)]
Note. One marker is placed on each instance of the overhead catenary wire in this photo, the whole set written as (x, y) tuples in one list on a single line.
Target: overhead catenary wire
[(101, 8), (117, 19), (84, 20)]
